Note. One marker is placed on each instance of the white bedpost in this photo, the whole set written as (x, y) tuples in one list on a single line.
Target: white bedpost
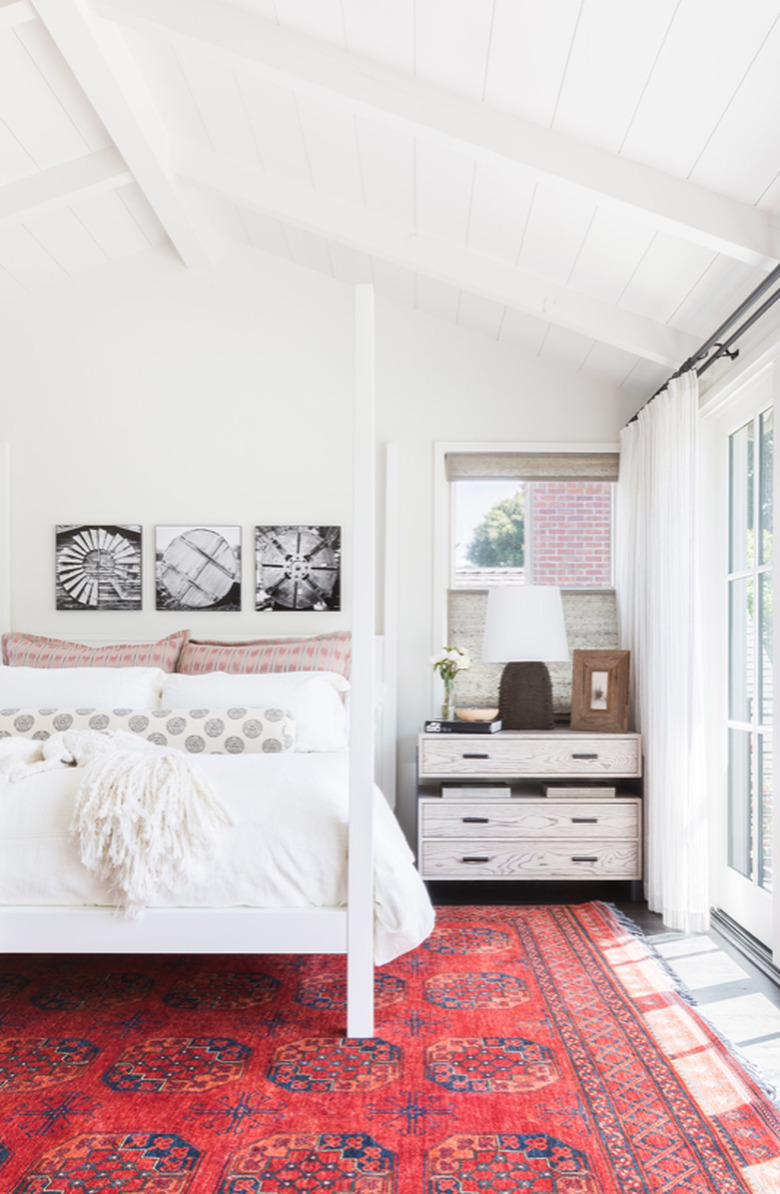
[(360, 912), (387, 775), (5, 538)]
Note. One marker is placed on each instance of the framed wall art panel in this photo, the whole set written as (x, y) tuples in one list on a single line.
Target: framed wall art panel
[(298, 567), (198, 568), (97, 567)]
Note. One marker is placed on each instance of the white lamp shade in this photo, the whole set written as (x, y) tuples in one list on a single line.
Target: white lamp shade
[(525, 622)]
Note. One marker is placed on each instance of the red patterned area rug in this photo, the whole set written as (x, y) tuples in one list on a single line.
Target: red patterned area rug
[(539, 1049)]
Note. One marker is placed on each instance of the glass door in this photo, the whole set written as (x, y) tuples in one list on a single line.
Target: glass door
[(749, 582), (738, 539)]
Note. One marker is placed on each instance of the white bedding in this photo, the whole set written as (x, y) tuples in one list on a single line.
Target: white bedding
[(286, 848)]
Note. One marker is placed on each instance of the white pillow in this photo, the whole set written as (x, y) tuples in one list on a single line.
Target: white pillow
[(312, 698), (75, 687)]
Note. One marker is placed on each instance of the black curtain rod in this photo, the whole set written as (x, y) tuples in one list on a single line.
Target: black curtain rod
[(723, 347)]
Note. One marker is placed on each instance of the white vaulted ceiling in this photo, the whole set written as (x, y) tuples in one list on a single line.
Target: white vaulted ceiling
[(594, 181)]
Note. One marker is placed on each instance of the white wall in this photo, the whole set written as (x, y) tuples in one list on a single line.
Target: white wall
[(144, 393), (148, 394), (436, 382)]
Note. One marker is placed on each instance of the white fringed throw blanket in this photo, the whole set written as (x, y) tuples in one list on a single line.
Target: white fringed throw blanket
[(146, 823), (145, 819)]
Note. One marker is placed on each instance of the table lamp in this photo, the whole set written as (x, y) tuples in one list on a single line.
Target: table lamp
[(524, 626)]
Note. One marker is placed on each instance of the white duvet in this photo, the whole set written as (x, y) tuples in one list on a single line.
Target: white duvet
[(286, 847)]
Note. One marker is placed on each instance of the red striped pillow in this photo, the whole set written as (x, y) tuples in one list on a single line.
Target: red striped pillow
[(313, 653), (35, 650)]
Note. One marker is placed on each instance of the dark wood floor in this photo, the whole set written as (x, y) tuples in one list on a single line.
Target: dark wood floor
[(477, 892)]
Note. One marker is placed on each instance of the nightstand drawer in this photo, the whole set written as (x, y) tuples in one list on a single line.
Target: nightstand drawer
[(474, 859), (540, 755), (535, 819)]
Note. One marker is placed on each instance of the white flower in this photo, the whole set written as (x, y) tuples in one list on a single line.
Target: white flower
[(451, 660)]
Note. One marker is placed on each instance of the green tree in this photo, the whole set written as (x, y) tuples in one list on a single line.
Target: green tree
[(499, 540)]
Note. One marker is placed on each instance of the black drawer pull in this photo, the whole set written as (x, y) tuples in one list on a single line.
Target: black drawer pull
[(476, 820), (584, 858), (585, 820), (475, 858), (475, 756), (585, 756)]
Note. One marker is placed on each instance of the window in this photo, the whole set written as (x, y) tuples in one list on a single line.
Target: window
[(555, 532), (524, 516)]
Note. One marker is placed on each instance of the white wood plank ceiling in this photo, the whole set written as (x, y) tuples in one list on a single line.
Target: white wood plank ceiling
[(595, 181)]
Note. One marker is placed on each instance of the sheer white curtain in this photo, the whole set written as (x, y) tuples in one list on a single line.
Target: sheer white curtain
[(659, 614)]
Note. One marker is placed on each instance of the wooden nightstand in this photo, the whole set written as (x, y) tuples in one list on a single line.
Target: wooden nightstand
[(527, 835)]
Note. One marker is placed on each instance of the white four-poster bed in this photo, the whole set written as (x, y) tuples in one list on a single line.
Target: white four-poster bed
[(347, 929)]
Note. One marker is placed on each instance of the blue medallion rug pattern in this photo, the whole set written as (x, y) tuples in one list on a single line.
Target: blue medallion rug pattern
[(519, 1050)]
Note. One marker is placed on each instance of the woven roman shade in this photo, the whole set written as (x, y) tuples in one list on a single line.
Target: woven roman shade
[(532, 466)]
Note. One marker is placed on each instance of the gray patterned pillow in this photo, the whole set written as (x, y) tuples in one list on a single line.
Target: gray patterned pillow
[(198, 731)]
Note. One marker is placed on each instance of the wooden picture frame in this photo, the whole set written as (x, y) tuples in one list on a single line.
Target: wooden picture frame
[(599, 691)]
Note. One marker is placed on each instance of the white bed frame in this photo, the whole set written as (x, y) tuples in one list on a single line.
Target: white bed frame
[(74, 930), (347, 930)]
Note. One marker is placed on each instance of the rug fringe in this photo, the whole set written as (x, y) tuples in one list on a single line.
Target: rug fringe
[(680, 989)]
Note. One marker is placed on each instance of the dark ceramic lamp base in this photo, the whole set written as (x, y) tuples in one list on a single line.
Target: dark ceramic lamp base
[(525, 697)]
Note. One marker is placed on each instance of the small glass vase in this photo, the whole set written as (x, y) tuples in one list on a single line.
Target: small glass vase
[(448, 703)]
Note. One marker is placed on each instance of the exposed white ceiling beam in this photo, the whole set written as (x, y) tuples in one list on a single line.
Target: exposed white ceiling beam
[(392, 241), (102, 66), (15, 12), (366, 87), (25, 198)]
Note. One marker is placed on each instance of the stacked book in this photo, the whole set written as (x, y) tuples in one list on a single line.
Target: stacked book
[(570, 792), (438, 725), (475, 791)]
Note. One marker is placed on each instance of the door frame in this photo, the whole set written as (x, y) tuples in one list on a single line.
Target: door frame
[(756, 911)]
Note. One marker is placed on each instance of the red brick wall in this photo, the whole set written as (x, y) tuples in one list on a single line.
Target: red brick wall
[(571, 533)]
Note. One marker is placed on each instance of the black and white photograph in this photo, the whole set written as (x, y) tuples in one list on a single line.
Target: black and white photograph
[(599, 688), (97, 567), (298, 568), (198, 567)]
